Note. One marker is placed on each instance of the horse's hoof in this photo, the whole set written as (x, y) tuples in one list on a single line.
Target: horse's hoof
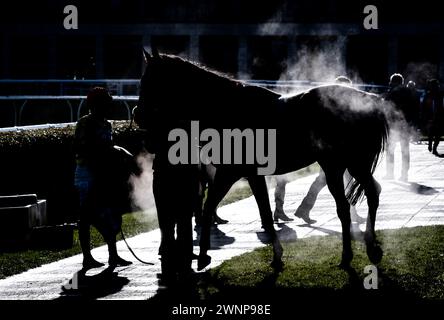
[(277, 265), (268, 228), (374, 253), (203, 261)]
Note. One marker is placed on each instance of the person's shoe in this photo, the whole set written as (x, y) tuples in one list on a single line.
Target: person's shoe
[(304, 216), (219, 220), (280, 214), (91, 263), (118, 262)]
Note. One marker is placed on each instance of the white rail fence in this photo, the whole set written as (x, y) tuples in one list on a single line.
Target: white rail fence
[(76, 103)]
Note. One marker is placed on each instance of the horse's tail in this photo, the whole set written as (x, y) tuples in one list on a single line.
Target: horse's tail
[(375, 132)]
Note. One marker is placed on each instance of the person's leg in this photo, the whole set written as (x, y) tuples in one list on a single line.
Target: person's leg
[(303, 211), (109, 227), (390, 156), (436, 137), (187, 188), (279, 197), (184, 241), (84, 237), (83, 182), (198, 202), (162, 185), (405, 151), (430, 135)]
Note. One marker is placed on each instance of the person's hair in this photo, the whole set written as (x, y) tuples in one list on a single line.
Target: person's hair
[(344, 80), (396, 79), (98, 97)]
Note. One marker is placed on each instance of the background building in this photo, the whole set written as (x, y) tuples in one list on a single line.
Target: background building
[(249, 39)]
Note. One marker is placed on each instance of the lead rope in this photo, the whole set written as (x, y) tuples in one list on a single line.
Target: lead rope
[(121, 231), (132, 252)]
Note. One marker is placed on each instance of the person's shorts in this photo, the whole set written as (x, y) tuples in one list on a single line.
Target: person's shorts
[(83, 181), (107, 220)]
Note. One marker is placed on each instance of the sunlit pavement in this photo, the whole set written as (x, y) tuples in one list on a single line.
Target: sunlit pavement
[(416, 203)]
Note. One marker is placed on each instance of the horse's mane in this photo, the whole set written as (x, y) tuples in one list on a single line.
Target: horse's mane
[(198, 70), (208, 75)]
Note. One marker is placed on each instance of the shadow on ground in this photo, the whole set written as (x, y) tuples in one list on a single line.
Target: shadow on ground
[(284, 233), (81, 286), (284, 302), (218, 238), (416, 187)]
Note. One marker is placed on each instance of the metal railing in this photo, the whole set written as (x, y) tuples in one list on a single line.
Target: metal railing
[(117, 87), (63, 87), (74, 116)]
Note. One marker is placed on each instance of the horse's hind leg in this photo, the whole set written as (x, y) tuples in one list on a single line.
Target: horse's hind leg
[(260, 192), (223, 180), (372, 190), (335, 184)]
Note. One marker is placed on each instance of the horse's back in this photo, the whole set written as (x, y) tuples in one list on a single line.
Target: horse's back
[(335, 99), (339, 117)]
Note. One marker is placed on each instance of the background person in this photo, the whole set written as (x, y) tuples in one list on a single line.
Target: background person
[(432, 114), (93, 146), (402, 125)]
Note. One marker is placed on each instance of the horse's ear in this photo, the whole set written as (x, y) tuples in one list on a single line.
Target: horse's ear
[(146, 55)]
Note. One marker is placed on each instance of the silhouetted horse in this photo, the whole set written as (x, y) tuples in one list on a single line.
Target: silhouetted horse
[(337, 126)]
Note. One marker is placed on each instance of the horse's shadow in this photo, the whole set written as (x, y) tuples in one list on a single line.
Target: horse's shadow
[(355, 232), (218, 238), (416, 187), (92, 287), (285, 234), (354, 281)]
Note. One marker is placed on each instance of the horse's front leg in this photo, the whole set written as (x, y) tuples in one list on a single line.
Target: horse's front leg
[(260, 192), (223, 180)]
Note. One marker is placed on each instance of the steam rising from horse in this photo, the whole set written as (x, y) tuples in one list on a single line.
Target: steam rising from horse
[(337, 126)]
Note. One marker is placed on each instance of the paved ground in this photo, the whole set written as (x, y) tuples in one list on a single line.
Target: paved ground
[(419, 202)]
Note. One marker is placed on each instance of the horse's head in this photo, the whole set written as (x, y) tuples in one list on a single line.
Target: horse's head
[(164, 87), (177, 88), (150, 93)]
